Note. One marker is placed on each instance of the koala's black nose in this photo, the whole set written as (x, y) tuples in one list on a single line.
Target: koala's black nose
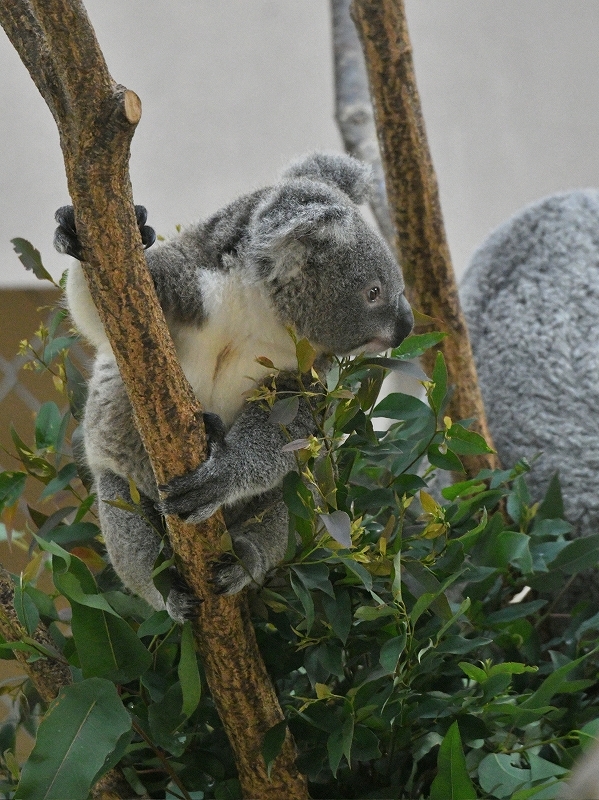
[(404, 322)]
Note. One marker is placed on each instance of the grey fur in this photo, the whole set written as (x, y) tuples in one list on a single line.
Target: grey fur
[(295, 254), (531, 299)]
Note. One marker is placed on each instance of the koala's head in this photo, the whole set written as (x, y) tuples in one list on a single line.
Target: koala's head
[(328, 273)]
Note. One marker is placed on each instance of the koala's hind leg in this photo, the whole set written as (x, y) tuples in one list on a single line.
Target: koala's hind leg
[(259, 530), (133, 544)]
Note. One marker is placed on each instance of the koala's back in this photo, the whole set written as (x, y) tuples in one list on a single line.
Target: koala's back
[(531, 299)]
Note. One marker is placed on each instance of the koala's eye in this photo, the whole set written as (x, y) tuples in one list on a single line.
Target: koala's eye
[(374, 293)]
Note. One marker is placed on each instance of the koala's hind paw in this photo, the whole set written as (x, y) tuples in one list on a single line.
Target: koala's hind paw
[(229, 575), (182, 605), (232, 571), (66, 240)]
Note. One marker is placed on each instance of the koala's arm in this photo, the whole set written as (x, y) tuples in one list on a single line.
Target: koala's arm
[(247, 461)]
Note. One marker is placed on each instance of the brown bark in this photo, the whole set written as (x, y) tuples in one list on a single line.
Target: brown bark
[(414, 203), (96, 119)]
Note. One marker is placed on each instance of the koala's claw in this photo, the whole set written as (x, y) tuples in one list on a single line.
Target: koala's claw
[(182, 605), (66, 240), (65, 236), (215, 429), (148, 234)]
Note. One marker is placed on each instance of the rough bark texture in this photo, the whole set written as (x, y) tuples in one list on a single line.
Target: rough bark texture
[(414, 202), (96, 119)]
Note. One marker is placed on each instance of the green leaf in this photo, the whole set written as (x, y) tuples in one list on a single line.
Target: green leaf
[(552, 506), (439, 391), (391, 651), (12, 485), (273, 743), (339, 612), (284, 411), (314, 576), (498, 775), (63, 479), (26, 609), (414, 346), (165, 717), (466, 442), (35, 465), (75, 738), (474, 673), (48, 424), (452, 781), (107, 646), (305, 599), (158, 623), (70, 586), (30, 258), (401, 406), (306, 355), (55, 347), (188, 672), (447, 460), (578, 555), (297, 496), (554, 684), (339, 744), (228, 790), (338, 525)]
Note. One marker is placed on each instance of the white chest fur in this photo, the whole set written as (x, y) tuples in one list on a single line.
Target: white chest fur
[(219, 357)]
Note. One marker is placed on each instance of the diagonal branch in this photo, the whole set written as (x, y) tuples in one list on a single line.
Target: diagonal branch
[(96, 120), (414, 201), (23, 30)]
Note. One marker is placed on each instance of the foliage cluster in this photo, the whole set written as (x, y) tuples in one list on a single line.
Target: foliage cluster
[(411, 635)]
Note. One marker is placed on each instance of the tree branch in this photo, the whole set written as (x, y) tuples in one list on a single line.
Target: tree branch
[(96, 120), (353, 110), (414, 201)]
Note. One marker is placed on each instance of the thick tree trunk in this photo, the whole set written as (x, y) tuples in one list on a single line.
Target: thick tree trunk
[(414, 202), (96, 119)]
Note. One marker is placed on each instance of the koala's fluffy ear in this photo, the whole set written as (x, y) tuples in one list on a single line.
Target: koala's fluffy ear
[(345, 172), (288, 217)]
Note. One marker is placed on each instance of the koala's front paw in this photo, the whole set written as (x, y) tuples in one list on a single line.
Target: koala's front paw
[(199, 494), (66, 240), (196, 496)]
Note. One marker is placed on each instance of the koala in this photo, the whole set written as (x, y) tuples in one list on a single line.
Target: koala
[(294, 256), (531, 300)]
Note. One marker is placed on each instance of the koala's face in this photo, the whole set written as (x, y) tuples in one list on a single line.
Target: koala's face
[(352, 295), (329, 275)]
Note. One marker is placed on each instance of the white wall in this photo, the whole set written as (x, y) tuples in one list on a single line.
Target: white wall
[(232, 89)]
